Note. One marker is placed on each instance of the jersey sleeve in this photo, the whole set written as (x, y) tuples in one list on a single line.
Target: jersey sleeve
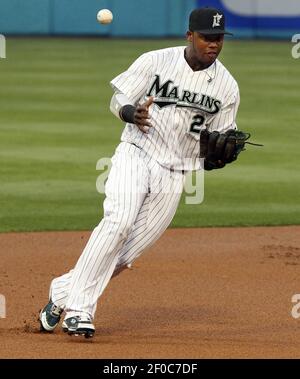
[(133, 82), (226, 118)]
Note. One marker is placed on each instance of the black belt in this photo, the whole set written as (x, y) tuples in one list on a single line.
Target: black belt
[(182, 171)]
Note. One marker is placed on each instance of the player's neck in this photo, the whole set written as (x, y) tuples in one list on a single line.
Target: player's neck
[(193, 62)]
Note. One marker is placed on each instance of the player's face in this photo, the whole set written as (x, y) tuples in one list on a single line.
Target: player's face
[(206, 48)]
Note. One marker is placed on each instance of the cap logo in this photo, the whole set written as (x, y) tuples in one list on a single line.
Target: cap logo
[(217, 19)]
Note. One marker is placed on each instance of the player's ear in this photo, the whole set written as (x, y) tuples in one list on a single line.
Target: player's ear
[(189, 36)]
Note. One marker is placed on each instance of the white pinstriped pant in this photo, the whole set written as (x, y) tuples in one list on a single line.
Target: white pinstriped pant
[(141, 200)]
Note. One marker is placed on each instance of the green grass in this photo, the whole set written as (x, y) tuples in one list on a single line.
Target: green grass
[(55, 124)]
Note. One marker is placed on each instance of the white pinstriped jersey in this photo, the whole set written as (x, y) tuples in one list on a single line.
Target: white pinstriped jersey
[(185, 101), (142, 194)]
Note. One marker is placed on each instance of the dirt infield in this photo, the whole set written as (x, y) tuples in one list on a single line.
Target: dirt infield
[(197, 293)]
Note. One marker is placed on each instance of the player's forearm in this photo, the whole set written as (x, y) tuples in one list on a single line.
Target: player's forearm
[(122, 107)]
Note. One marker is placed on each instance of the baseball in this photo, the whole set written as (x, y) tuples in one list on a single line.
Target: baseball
[(104, 16)]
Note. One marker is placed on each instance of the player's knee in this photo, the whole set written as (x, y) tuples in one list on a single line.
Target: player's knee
[(124, 228), (120, 226)]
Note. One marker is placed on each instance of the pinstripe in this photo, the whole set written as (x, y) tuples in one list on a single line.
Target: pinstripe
[(136, 208), (106, 267), (101, 257), (114, 257), (152, 230), (170, 142), (105, 262)]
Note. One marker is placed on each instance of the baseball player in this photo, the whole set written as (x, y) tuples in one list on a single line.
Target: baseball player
[(166, 98)]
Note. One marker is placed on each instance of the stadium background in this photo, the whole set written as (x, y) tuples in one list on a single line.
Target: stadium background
[(140, 18), (55, 124)]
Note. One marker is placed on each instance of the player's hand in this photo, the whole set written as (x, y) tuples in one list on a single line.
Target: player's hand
[(141, 116)]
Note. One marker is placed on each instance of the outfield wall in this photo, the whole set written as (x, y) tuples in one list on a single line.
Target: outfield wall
[(146, 18), (132, 18)]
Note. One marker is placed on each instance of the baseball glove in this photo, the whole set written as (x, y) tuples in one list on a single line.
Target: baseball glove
[(219, 149)]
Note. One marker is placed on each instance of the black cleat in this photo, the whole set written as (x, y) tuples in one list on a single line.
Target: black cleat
[(49, 317)]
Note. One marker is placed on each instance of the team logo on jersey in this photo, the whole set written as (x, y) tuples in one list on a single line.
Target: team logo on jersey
[(167, 94), (217, 20)]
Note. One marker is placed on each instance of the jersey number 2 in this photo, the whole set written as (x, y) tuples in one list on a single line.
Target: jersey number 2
[(198, 121)]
